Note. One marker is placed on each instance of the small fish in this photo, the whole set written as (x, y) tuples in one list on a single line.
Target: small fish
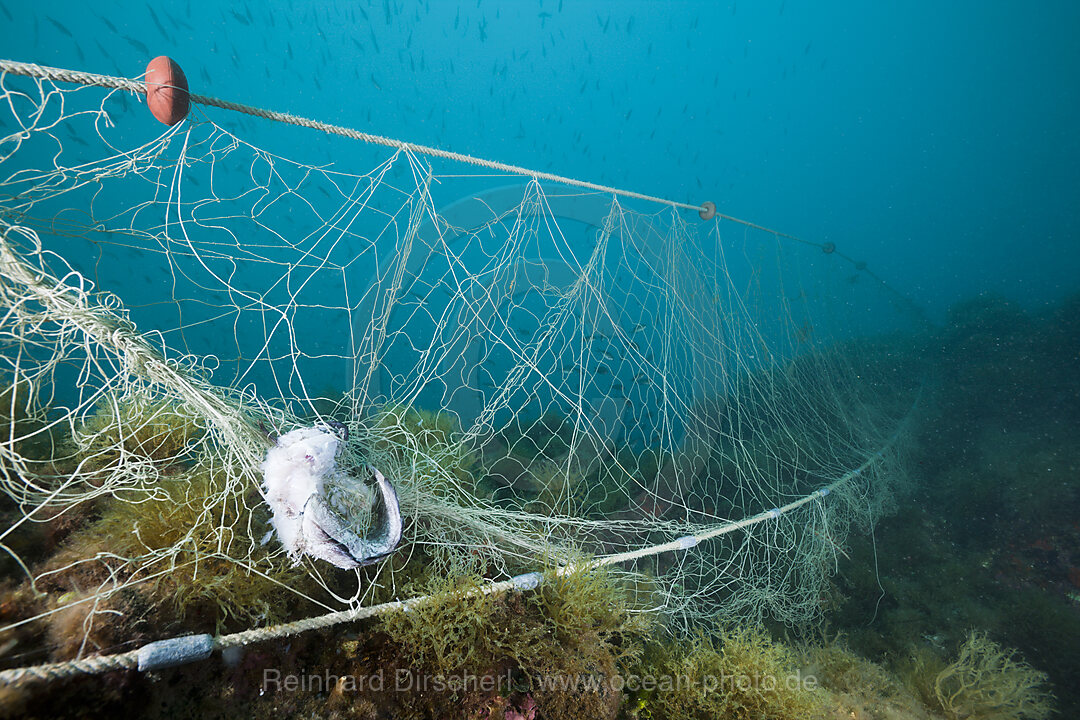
[(136, 44), (60, 27), (176, 22), (108, 24), (157, 22)]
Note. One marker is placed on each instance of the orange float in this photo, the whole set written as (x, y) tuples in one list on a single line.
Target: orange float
[(167, 90)]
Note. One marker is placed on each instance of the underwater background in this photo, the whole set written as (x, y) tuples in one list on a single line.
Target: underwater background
[(934, 142)]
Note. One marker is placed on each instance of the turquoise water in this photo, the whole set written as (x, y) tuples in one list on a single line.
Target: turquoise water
[(934, 142)]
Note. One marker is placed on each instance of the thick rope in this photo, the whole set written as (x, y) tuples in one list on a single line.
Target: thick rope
[(430, 151), (50, 672), (44, 72)]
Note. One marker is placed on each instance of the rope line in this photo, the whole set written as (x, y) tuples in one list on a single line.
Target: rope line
[(139, 88), (428, 150), (50, 672)]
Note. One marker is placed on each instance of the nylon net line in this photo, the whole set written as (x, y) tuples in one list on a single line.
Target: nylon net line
[(542, 373)]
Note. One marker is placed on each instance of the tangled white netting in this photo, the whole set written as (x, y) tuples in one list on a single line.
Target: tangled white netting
[(539, 371)]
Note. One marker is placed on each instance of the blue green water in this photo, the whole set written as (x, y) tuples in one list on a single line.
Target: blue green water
[(936, 142)]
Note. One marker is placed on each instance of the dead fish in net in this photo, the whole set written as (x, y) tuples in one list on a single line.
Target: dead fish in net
[(321, 511)]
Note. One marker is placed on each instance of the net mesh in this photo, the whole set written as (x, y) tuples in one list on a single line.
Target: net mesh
[(541, 372)]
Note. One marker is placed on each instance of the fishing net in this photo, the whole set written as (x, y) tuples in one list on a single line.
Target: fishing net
[(543, 372)]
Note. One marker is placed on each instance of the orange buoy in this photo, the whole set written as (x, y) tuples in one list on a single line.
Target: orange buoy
[(167, 90), (708, 210), (828, 248)]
